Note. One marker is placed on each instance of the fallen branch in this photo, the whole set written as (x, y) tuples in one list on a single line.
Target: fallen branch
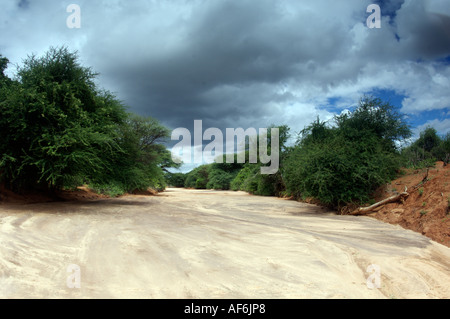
[(365, 210)]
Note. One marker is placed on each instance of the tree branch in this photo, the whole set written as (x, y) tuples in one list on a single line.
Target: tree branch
[(365, 210)]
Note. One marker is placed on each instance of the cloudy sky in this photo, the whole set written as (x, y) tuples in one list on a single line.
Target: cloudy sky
[(249, 63)]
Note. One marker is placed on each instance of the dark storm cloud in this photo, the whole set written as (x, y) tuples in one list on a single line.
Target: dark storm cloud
[(23, 4), (424, 34), (227, 59), (390, 7), (231, 53), (246, 63)]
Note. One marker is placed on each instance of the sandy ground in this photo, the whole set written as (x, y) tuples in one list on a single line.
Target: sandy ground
[(211, 244)]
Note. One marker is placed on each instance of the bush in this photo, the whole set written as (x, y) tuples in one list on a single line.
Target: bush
[(111, 189), (197, 178), (175, 179), (246, 179), (336, 171), (249, 179), (222, 174), (58, 127), (427, 149), (212, 176), (219, 179), (347, 162), (59, 130)]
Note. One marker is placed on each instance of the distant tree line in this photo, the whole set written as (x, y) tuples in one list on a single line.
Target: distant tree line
[(337, 162), (60, 130)]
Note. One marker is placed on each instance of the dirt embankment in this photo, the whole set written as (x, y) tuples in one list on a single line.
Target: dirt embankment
[(427, 209)]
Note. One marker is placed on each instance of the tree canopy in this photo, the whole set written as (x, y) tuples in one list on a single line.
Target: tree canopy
[(427, 149), (61, 130), (347, 161)]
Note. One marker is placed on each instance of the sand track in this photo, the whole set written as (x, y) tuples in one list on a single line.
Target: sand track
[(211, 244)]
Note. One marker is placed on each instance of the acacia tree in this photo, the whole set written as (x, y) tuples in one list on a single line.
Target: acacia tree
[(61, 130), (341, 163), (250, 179), (375, 117), (428, 149), (57, 125), (144, 159)]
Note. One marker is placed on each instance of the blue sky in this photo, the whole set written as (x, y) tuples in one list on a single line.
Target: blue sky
[(249, 63)]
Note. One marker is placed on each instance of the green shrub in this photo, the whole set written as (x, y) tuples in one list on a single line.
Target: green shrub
[(59, 130), (111, 189), (197, 178), (219, 179), (175, 179), (346, 162), (243, 179), (427, 149)]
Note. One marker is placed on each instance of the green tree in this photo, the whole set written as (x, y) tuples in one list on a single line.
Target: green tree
[(346, 162), (175, 179), (427, 149), (61, 130), (142, 160), (221, 174), (56, 124), (428, 140), (375, 117), (198, 177), (251, 180)]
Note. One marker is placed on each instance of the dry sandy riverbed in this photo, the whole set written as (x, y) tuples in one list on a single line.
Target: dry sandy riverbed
[(211, 244)]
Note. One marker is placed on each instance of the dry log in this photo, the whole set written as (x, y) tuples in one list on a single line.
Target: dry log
[(365, 210)]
